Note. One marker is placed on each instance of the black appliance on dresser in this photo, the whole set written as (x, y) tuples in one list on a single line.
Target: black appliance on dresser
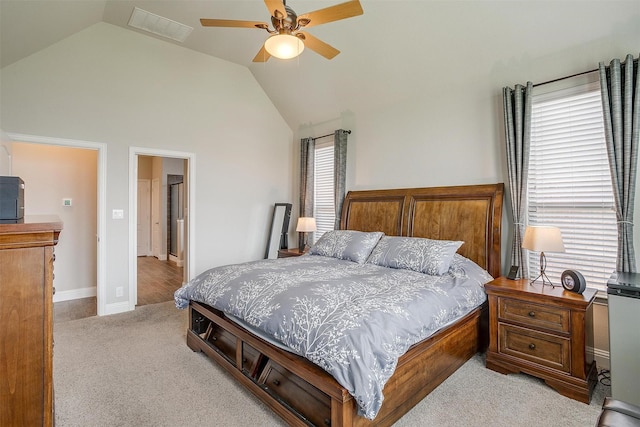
[(11, 198)]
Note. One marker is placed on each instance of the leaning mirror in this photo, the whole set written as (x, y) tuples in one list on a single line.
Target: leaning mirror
[(279, 229)]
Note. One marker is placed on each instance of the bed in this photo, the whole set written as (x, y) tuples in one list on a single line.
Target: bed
[(300, 391)]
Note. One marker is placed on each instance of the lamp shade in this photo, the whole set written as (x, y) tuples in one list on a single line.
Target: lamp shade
[(284, 46), (306, 224), (543, 238)]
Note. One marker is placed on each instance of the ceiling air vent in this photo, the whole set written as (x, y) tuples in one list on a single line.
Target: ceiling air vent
[(159, 25)]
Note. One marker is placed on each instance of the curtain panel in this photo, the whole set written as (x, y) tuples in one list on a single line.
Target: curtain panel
[(517, 123), (339, 172), (307, 179), (620, 86)]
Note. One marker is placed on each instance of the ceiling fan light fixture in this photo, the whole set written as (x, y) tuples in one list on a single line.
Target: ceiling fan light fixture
[(284, 46)]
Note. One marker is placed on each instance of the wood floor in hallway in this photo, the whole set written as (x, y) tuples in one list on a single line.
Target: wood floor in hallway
[(157, 281)]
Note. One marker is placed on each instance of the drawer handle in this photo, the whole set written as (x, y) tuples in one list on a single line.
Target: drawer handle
[(532, 346), (276, 382), (244, 360), (213, 339), (327, 422), (532, 314)]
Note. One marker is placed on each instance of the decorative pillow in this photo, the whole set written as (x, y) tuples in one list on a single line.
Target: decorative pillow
[(346, 244), (427, 256)]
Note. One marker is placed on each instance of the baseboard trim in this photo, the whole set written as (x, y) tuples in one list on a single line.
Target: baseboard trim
[(179, 262), (600, 356), (117, 307), (74, 294)]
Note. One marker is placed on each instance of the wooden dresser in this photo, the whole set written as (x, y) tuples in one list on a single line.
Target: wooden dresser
[(26, 316), (544, 332)]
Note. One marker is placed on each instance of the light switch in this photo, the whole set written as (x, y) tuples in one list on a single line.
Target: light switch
[(66, 202), (117, 214)]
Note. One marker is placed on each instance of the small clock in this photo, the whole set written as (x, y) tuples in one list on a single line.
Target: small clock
[(573, 281)]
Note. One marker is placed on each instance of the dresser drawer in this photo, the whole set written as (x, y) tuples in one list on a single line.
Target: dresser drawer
[(534, 315), (537, 347)]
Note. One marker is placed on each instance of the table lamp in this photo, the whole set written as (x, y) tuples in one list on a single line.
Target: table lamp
[(543, 238), (306, 224)]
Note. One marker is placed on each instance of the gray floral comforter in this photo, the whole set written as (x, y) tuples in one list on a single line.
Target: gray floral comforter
[(353, 320)]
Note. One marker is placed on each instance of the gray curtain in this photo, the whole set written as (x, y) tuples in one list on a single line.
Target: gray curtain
[(517, 123), (307, 180), (339, 171), (620, 86)]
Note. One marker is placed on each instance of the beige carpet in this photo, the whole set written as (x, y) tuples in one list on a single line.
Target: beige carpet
[(135, 369)]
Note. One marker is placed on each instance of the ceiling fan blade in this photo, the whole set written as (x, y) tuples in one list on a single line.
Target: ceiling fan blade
[(318, 46), (333, 13), (262, 56), (276, 8), (232, 23)]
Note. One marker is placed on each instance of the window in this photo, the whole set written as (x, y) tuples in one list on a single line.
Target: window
[(324, 206), (570, 183)]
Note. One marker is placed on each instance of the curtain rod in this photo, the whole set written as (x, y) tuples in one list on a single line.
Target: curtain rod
[(564, 78), (635, 61), (329, 134)]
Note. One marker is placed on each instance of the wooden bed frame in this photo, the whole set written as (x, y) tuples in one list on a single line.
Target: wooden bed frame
[(304, 394)]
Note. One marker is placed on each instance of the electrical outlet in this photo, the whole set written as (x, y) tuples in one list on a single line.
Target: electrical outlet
[(117, 214), (119, 291)]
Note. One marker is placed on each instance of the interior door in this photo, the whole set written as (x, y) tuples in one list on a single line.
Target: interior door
[(144, 217), (156, 228)]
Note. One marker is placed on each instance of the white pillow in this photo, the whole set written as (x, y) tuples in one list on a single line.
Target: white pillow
[(346, 244), (427, 256)]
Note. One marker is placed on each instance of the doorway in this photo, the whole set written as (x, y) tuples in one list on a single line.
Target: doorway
[(162, 266), (160, 214), (98, 232)]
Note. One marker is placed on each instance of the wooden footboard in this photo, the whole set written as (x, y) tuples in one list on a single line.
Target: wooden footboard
[(303, 394)]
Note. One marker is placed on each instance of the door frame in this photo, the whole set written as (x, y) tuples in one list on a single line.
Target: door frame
[(189, 267), (101, 148)]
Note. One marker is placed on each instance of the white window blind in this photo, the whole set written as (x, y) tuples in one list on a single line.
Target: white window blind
[(570, 184), (324, 208)]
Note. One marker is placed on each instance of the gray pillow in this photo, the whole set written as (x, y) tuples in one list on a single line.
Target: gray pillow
[(346, 244), (427, 256)]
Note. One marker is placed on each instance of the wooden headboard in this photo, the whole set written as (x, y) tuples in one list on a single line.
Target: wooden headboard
[(471, 213)]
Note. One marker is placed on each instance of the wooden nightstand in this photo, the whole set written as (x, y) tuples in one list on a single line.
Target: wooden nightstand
[(286, 253), (544, 332)]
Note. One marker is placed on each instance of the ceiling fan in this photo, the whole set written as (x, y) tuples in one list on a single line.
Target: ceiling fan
[(287, 39)]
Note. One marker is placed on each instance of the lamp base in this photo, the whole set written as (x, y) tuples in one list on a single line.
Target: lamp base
[(545, 280), (302, 241), (543, 275)]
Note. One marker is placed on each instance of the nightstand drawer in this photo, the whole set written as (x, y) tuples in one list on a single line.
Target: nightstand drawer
[(534, 315), (537, 347)]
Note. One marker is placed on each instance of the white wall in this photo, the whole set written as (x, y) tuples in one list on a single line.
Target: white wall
[(51, 174), (114, 86), (5, 154)]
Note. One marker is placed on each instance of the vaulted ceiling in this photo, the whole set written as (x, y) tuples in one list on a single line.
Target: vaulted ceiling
[(393, 51)]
